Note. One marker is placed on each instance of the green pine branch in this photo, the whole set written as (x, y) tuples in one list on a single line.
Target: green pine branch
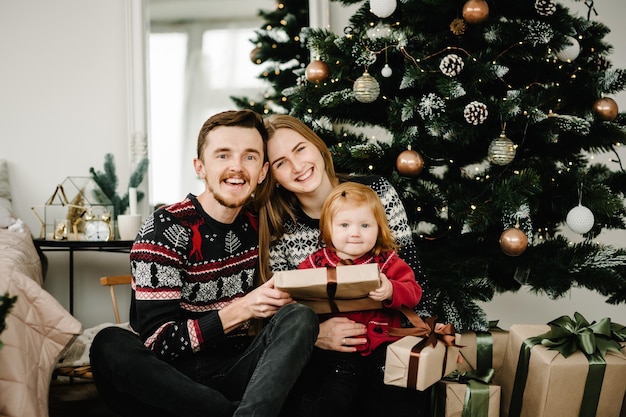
[(107, 181)]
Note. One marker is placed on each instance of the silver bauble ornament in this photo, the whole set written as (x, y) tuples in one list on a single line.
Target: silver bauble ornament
[(383, 8), (366, 88), (569, 52), (501, 150), (580, 219)]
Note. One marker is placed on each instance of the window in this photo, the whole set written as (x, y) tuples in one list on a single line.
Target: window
[(194, 70)]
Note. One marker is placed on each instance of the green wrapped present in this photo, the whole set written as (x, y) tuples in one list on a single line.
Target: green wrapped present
[(466, 394), (568, 368)]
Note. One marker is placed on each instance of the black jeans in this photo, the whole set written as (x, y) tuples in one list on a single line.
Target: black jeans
[(339, 384), (134, 382)]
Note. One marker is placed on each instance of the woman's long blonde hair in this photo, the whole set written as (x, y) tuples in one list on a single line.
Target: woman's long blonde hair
[(275, 204), (353, 194)]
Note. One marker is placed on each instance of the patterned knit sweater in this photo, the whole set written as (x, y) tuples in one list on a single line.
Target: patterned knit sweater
[(406, 292), (186, 266), (303, 237)]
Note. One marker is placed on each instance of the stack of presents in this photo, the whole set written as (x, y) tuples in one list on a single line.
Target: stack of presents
[(568, 367)]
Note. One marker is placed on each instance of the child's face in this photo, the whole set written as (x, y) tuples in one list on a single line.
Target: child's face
[(354, 231)]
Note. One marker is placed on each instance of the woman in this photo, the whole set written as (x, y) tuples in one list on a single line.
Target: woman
[(300, 178)]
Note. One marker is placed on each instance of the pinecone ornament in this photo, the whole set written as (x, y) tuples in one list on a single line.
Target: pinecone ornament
[(451, 65), (475, 113), (458, 26), (545, 7)]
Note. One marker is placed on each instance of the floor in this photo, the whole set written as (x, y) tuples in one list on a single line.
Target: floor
[(76, 399)]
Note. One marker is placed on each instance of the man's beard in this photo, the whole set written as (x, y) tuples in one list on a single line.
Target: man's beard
[(230, 203)]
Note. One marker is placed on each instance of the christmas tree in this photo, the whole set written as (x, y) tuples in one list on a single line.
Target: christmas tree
[(282, 51), (490, 112)]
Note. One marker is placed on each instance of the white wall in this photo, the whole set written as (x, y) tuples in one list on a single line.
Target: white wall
[(68, 97), (66, 84)]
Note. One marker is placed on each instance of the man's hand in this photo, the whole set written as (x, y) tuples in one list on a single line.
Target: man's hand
[(265, 300), (262, 302)]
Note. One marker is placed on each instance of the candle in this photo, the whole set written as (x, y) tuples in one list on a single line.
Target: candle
[(132, 200)]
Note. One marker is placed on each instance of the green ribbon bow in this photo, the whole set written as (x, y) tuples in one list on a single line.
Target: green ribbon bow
[(476, 402), (567, 336)]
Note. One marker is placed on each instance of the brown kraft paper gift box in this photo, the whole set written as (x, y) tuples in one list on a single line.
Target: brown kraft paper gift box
[(469, 350), (433, 363), (311, 287), (555, 384), (455, 398)]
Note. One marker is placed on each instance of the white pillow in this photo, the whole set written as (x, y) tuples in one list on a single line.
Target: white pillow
[(6, 217)]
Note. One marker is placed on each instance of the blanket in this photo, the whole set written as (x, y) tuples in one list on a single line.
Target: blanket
[(38, 329)]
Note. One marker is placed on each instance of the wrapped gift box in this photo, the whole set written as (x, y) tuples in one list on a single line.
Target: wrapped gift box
[(352, 284), (451, 398), (495, 340), (431, 363), (555, 385)]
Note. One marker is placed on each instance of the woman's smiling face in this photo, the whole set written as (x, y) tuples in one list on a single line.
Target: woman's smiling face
[(296, 164)]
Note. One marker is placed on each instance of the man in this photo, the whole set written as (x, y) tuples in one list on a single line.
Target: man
[(194, 265)]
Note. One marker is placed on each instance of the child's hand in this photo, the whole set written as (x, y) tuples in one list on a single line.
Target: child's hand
[(384, 292)]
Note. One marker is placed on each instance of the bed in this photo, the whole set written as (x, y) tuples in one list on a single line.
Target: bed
[(38, 328)]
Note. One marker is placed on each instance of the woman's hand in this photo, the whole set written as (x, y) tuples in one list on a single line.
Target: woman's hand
[(262, 302), (340, 334), (384, 292)]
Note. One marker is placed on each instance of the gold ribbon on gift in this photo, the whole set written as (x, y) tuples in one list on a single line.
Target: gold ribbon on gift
[(567, 335), (476, 401)]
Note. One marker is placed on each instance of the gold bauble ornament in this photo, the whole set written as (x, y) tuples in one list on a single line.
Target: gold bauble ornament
[(501, 150), (475, 11), (317, 71), (410, 163), (513, 241), (606, 109), (254, 55), (366, 88)]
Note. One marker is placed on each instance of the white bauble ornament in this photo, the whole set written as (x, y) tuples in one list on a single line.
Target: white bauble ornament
[(366, 88), (569, 52), (580, 219), (386, 71), (383, 8)]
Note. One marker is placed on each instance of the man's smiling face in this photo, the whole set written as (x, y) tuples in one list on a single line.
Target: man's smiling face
[(232, 164)]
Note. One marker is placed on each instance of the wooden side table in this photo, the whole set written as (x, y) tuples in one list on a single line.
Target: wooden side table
[(71, 246)]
